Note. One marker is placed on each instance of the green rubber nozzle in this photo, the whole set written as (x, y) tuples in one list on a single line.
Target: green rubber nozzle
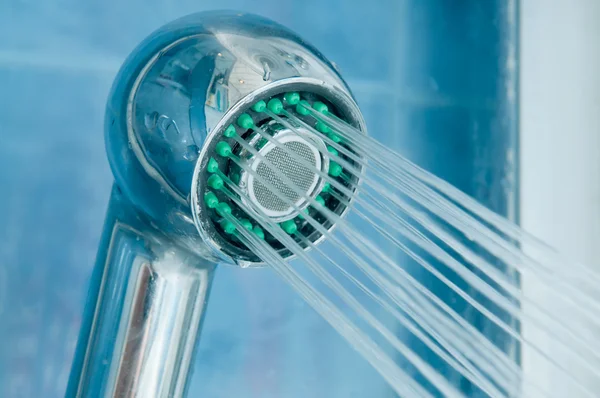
[(332, 151), (292, 98), (322, 127), (301, 214), (246, 223), (275, 105), (258, 232), (245, 121), (227, 226), (230, 131), (303, 108), (223, 149), (320, 107), (319, 199), (215, 182), (289, 227), (334, 137), (211, 200), (260, 106), (223, 209), (212, 166), (335, 170), (327, 187)]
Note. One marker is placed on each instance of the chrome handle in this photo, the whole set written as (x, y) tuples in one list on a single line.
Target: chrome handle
[(147, 301)]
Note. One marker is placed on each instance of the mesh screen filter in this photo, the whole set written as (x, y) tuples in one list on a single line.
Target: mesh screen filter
[(305, 178)]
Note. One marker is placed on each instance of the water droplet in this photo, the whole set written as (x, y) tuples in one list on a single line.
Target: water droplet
[(301, 62), (191, 153), (266, 71)]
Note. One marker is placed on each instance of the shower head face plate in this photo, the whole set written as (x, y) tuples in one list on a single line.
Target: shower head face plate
[(270, 166), (276, 199)]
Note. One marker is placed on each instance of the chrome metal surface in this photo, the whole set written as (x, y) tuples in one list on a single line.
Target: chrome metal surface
[(307, 146), (172, 97), (339, 99), (177, 92), (147, 301)]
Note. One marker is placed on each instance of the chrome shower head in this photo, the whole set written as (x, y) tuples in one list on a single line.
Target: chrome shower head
[(209, 99), (200, 85)]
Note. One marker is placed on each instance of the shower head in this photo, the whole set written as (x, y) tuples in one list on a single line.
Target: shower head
[(191, 107), (213, 128)]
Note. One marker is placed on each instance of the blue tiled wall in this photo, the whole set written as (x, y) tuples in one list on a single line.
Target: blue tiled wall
[(435, 79)]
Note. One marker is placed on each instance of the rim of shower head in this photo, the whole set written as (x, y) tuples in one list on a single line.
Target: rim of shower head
[(249, 110)]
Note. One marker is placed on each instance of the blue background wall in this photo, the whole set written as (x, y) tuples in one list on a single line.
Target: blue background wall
[(435, 79)]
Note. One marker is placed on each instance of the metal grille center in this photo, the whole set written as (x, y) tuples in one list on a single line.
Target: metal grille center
[(295, 159)]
